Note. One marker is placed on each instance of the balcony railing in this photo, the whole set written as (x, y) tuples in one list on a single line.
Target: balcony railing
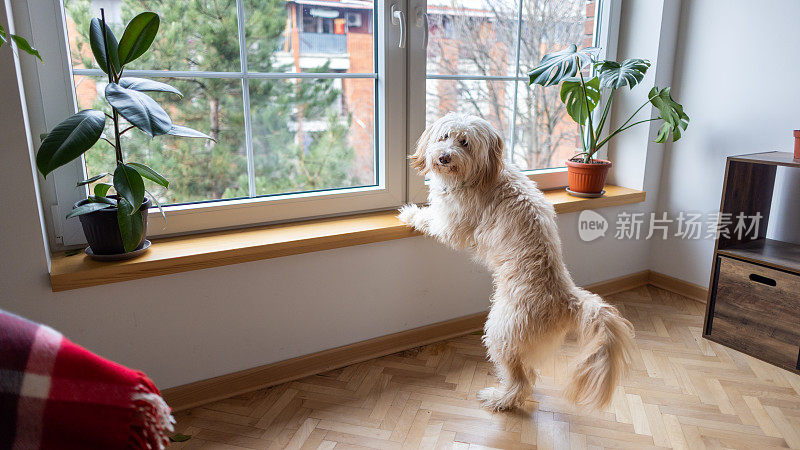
[(325, 43)]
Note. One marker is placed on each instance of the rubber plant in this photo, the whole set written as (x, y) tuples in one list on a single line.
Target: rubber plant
[(129, 104), (582, 94)]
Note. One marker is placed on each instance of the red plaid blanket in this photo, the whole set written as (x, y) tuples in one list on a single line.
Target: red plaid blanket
[(56, 394)]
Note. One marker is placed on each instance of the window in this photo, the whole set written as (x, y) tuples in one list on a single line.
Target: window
[(314, 105)]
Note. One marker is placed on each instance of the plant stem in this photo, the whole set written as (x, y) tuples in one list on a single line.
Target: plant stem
[(111, 79), (623, 127), (592, 139), (620, 130)]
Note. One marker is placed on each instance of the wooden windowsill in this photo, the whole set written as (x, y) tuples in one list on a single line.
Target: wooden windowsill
[(220, 248)]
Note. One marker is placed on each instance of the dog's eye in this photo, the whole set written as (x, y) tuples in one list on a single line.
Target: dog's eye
[(444, 137), (464, 143)]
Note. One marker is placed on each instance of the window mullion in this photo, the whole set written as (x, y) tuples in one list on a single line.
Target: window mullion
[(513, 127), (248, 130)]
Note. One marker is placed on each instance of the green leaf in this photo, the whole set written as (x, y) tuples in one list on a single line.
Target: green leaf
[(87, 208), (158, 205), (178, 130), (671, 112), (145, 85), (130, 223), (23, 45), (149, 173), (576, 102), (615, 75), (2, 35), (138, 36), (101, 189), (69, 139), (99, 50), (139, 109), (180, 437), (557, 66), (93, 179), (129, 185), (107, 200)]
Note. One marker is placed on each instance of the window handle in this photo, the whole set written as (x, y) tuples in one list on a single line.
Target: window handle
[(422, 22), (399, 18)]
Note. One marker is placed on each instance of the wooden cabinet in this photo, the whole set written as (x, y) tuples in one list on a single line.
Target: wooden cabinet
[(754, 300)]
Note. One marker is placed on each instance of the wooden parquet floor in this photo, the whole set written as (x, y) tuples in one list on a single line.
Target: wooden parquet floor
[(683, 392)]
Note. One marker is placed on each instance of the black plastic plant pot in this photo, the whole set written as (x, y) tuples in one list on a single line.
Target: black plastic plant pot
[(102, 229)]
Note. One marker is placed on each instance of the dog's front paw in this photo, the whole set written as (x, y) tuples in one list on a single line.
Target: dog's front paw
[(408, 214)]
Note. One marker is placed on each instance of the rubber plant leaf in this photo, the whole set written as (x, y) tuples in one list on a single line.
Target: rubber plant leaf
[(101, 189), (131, 225), (671, 112), (557, 66), (572, 94), (149, 173), (138, 36), (129, 185), (87, 208), (145, 85), (139, 109), (69, 139), (179, 130), (93, 179), (615, 75), (99, 50)]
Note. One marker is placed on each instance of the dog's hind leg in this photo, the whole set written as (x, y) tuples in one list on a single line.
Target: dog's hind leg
[(514, 385)]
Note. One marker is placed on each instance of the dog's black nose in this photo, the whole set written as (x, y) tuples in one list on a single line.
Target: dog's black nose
[(444, 159)]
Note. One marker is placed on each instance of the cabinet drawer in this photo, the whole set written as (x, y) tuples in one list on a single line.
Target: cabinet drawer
[(756, 310)]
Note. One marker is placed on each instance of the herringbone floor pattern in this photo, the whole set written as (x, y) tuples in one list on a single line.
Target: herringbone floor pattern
[(683, 392)]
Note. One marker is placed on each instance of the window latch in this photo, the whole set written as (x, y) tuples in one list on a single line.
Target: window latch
[(422, 22), (399, 18)]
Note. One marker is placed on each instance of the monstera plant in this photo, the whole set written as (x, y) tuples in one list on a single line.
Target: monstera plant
[(115, 224), (583, 80)]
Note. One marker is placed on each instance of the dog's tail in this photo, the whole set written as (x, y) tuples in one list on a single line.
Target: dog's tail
[(606, 339)]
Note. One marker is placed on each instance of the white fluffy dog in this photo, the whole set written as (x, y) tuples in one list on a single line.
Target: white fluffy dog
[(478, 202)]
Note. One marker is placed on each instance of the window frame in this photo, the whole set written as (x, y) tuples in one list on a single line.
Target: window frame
[(605, 35), (51, 98), (400, 119)]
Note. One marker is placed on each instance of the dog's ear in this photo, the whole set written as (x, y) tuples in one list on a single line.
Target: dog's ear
[(494, 163), (418, 160)]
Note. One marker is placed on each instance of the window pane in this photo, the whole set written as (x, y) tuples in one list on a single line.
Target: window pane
[(472, 37), (491, 100), (328, 36), (545, 136), (193, 35), (548, 26), (198, 169), (312, 134)]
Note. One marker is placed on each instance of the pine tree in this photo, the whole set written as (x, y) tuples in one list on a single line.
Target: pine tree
[(203, 35)]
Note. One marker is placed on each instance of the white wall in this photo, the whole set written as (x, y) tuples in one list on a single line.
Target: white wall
[(736, 72), (194, 325)]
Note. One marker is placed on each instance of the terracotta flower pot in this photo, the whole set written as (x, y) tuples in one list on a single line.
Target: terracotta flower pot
[(587, 178)]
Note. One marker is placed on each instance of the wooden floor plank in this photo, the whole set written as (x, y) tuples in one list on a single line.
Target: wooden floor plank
[(683, 392)]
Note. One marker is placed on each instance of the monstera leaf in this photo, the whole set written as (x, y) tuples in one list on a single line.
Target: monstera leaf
[(580, 105), (671, 112), (555, 67), (615, 75)]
